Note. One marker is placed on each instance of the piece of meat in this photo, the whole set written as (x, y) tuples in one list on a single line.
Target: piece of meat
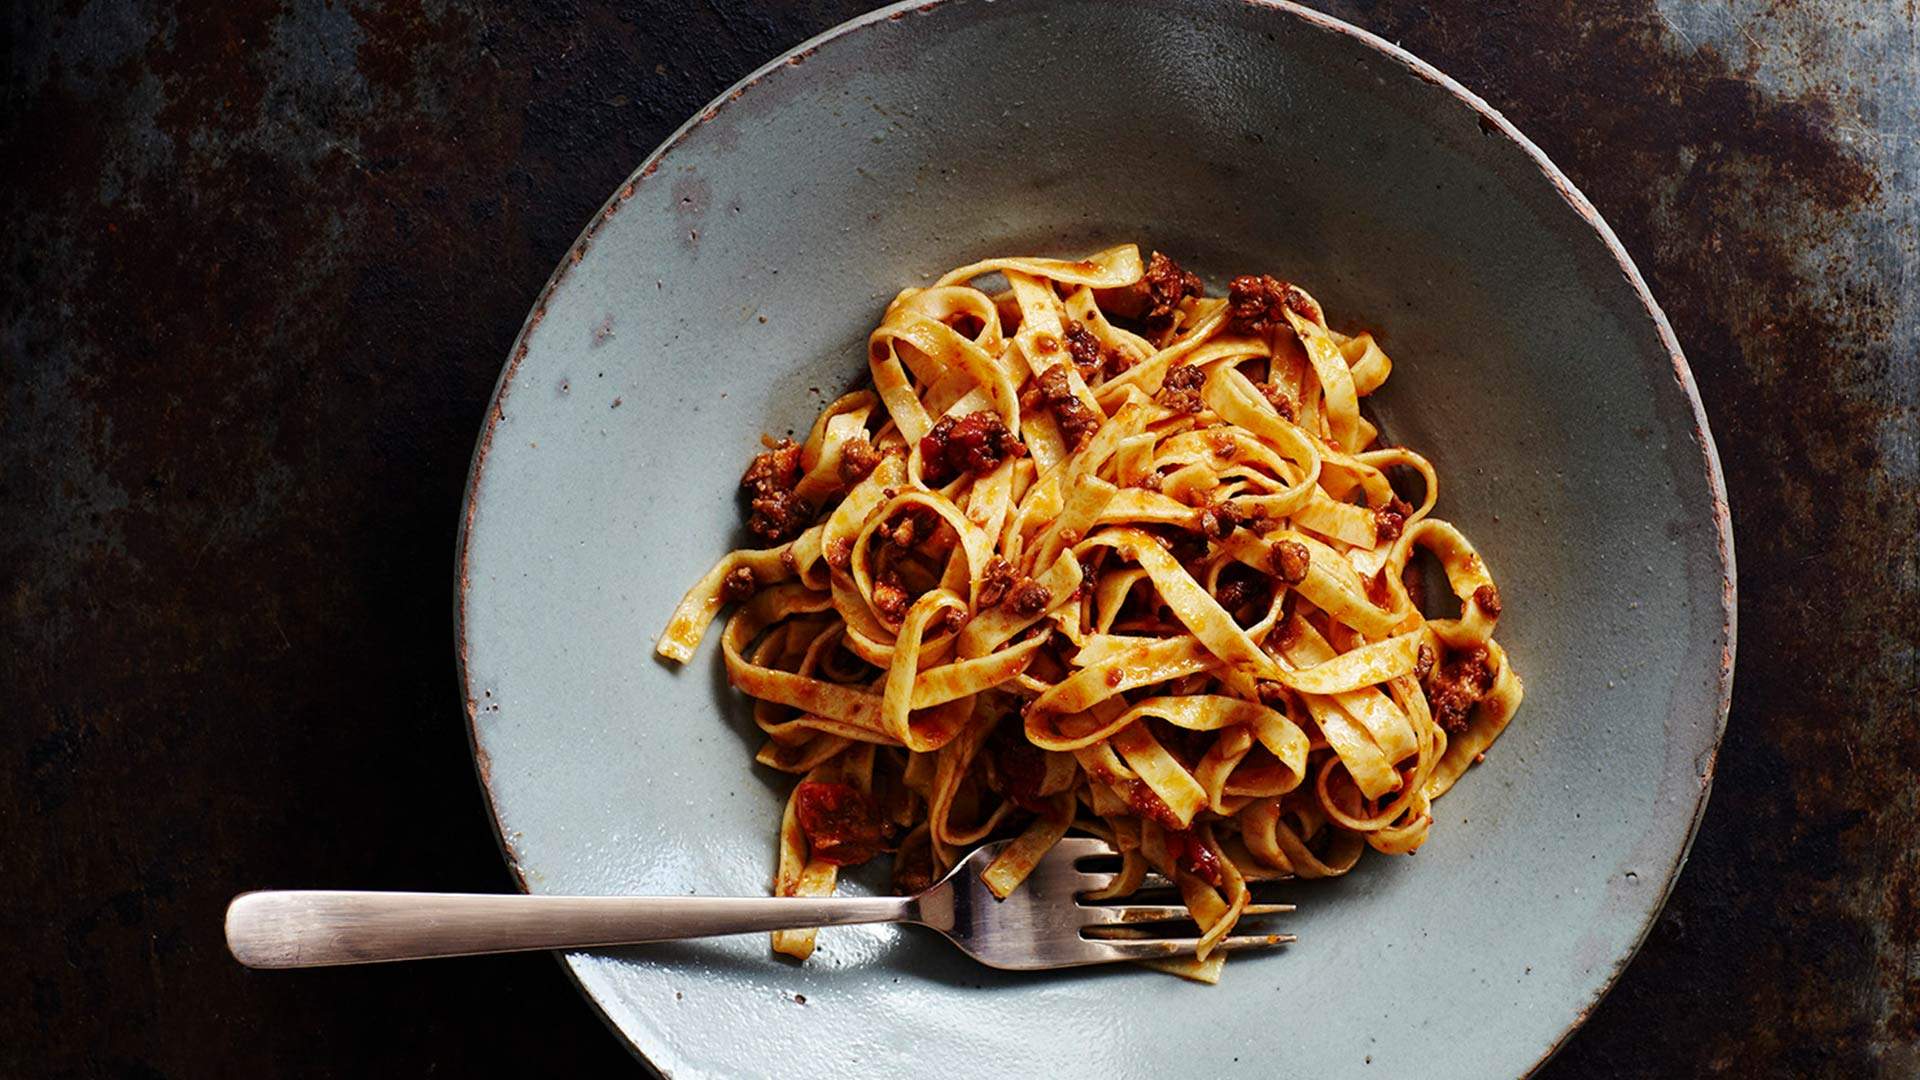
[(975, 443), (840, 821), (890, 597), (738, 584), (1029, 598), (1257, 303), (778, 466), (857, 459), (1456, 685), (1168, 283), (1180, 390), (996, 580), (948, 620), (1277, 395), (840, 553), (1214, 524), (1151, 302), (1053, 391), (1218, 520), (911, 526), (1488, 598), (1290, 559), (778, 515), (1390, 521), (1092, 358)]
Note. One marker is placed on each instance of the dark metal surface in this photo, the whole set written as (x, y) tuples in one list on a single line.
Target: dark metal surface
[(263, 262)]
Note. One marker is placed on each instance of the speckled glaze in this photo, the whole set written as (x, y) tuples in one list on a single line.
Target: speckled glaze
[(727, 290)]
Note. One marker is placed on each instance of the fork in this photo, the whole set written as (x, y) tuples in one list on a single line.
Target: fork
[(1046, 923)]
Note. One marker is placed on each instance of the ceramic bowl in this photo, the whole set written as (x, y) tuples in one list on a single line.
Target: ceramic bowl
[(727, 289)]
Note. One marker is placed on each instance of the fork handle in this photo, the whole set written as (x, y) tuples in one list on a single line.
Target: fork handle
[(316, 928)]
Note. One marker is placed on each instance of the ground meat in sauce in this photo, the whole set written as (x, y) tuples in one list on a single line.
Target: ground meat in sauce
[(1256, 303), (738, 584), (840, 553), (1457, 685), (1191, 854), (889, 597), (1180, 391), (1390, 521), (1423, 663), (1278, 397), (1052, 390), (1029, 598), (911, 526), (1214, 524), (840, 821), (1092, 358), (995, 581), (1220, 519), (778, 514), (975, 443), (1488, 598), (1290, 559), (951, 620), (1167, 283), (778, 466), (857, 459)]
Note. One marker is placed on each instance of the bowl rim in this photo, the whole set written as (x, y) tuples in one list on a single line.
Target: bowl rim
[(1489, 117)]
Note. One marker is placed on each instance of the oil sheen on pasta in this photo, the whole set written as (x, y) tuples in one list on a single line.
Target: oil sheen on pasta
[(1100, 552)]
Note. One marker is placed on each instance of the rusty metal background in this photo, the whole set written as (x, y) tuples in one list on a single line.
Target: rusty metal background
[(263, 260)]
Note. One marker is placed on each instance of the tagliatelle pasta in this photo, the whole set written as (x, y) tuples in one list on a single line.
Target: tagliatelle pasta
[(1099, 552)]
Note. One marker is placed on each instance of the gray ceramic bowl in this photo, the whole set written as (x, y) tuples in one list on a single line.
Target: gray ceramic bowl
[(727, 290)]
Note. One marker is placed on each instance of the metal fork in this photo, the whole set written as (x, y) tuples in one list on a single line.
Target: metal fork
[(1046, 923)]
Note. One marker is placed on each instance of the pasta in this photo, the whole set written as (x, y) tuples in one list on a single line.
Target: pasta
[(1099, 552)]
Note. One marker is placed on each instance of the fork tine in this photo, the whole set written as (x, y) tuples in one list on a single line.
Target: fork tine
[(1137, 913), (1147, 949)]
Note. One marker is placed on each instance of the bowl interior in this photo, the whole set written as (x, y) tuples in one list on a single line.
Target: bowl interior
[(728, 291)]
